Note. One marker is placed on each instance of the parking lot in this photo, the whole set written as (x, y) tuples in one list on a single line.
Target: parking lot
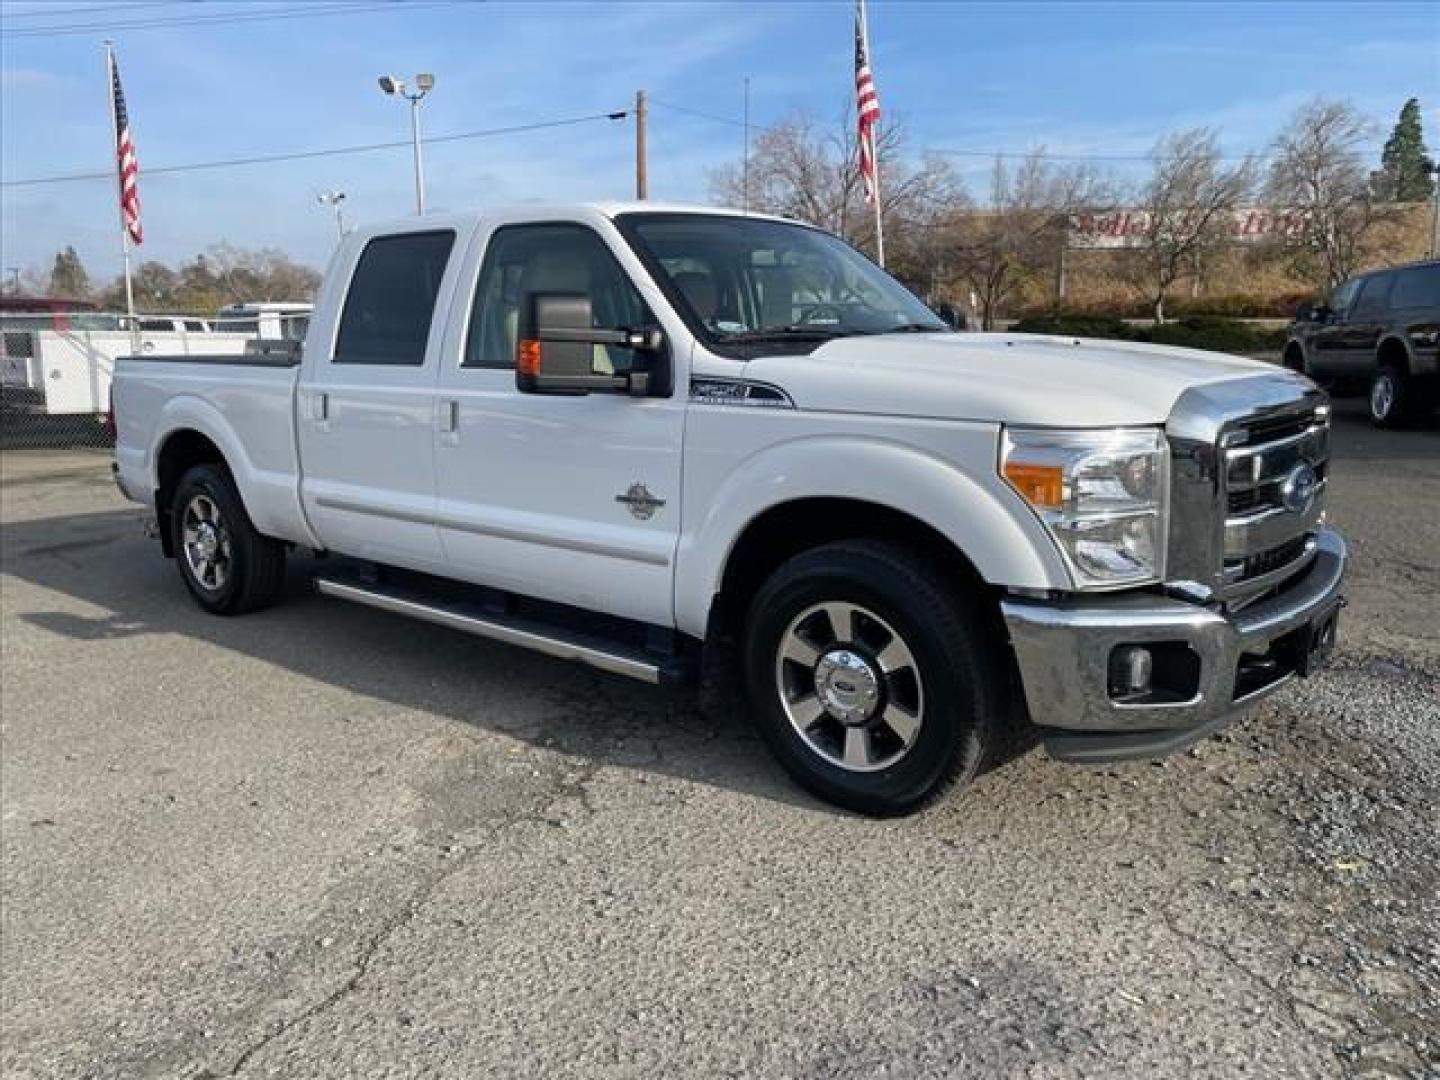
[(326, 841)]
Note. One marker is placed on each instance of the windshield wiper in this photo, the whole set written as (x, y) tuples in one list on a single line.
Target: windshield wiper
[(917, 328), (788, 333)]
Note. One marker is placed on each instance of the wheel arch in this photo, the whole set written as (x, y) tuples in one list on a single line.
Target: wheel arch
[(180, 450), (799, 496), (1394, 350), (1293, 355), (787, 529)]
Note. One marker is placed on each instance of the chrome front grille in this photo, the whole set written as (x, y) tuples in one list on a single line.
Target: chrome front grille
[(1249, 464), (1273, 472)]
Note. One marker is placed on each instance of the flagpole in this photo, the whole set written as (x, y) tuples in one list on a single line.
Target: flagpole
[(879, 220), (120, 209), (874, 149)]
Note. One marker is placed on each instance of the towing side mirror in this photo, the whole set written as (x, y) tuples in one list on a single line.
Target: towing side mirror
[(555, 353)]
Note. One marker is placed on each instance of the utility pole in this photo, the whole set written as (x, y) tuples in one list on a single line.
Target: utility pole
[(642, 180), (745, 168), (1433, 168)]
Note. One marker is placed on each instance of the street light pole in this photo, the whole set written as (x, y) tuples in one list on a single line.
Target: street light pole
[(422, 85), (419, 153), (334, 199)]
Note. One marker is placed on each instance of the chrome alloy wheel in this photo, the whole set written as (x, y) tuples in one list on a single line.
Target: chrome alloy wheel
[(850, 686), (1382, 396), (206, 540)]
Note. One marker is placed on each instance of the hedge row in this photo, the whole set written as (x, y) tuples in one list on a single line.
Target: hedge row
[(1196, 332)]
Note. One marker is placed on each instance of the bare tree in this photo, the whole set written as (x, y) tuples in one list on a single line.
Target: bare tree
[(1318, 170), (1014, 241), (802, 169), (1187, 205)]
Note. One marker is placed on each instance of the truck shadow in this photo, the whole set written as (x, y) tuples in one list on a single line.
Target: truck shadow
[(103, 560)]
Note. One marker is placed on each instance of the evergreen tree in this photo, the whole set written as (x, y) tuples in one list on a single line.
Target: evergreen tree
[(69, 278), (1403, 175)]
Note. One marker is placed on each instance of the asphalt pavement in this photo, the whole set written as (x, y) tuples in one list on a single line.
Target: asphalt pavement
[(325, 841)]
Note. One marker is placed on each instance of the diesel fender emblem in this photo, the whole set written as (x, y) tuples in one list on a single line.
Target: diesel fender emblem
[(641, 503)]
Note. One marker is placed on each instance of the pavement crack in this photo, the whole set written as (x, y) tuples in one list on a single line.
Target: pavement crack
[(573, 788)]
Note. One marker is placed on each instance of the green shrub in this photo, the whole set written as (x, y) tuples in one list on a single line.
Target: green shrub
[(1194, 332), (1075, 324), (1207, 332)]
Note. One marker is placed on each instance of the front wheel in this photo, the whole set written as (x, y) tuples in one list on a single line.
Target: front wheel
[(227, 565), (872, 680)]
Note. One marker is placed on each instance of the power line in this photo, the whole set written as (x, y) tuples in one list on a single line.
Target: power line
[(88, 9), (220, 19), (945, 151), (266, 159), (696, 112)]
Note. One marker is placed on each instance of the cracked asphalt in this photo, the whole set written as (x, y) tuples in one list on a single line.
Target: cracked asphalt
[(325, 841)]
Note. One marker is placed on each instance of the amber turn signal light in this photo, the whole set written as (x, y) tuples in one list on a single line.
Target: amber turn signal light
[(1042, 486), (527, 357)]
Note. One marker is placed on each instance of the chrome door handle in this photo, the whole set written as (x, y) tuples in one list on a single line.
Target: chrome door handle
[(322, 407), (450, 417)]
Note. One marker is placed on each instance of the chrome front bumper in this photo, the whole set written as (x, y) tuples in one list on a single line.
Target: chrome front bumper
[(1222, 662)]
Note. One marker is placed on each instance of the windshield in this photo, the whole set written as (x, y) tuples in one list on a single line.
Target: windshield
[(737, 280)]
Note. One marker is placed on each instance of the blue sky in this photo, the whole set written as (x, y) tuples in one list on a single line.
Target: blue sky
[(1077, 78)]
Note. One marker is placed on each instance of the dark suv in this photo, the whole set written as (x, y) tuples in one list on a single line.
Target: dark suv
[(1380, 330)]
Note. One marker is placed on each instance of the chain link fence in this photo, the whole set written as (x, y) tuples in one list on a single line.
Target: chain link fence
[(61, 408)]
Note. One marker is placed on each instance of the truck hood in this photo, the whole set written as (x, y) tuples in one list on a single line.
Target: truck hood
[(1009, 378)]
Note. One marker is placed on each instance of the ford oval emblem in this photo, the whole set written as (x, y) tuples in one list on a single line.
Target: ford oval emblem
[(1298, 490)]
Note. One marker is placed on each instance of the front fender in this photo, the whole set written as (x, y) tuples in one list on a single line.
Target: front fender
[(981, 516)]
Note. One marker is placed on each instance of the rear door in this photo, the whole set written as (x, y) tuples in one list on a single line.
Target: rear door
[(1366, 321), (573, 498), (366, 409)]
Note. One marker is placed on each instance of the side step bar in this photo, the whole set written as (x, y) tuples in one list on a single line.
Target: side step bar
[(529, 634)]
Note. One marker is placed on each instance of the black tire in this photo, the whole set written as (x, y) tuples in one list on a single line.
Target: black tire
[(1393, 399), (964, 691), (249, 569)]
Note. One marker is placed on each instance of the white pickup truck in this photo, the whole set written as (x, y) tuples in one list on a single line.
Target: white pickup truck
[(666, 441)]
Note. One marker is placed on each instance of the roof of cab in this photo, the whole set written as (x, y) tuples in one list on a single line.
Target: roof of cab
[(542, 211)]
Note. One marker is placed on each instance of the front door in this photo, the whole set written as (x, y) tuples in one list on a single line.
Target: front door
[(562, 497), (1327, 341), (367, 410)]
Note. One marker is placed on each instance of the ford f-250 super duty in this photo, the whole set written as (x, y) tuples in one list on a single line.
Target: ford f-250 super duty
[(646, 437)]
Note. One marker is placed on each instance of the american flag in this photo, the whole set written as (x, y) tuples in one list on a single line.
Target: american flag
[(867, 105), (129, 167)]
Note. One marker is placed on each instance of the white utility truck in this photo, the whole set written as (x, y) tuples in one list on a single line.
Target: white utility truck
[(658, 440)]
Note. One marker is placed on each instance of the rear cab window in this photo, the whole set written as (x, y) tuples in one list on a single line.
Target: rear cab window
[(391, 301)]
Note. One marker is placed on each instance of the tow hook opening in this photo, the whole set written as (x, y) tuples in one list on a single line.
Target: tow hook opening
[(1153, 673)]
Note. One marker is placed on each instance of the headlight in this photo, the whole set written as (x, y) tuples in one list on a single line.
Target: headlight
[(1102, 494)]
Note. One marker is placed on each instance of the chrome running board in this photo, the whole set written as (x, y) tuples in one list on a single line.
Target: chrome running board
[(526, 633)]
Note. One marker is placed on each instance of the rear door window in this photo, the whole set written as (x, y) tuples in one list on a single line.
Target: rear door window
[(387, 313), (1417, 287)]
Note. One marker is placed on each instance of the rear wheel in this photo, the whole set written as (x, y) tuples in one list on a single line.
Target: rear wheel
[(1392, 396), (227, 565), (871, 679)]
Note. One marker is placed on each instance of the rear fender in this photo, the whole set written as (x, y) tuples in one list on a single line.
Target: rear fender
[(271, 499)]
